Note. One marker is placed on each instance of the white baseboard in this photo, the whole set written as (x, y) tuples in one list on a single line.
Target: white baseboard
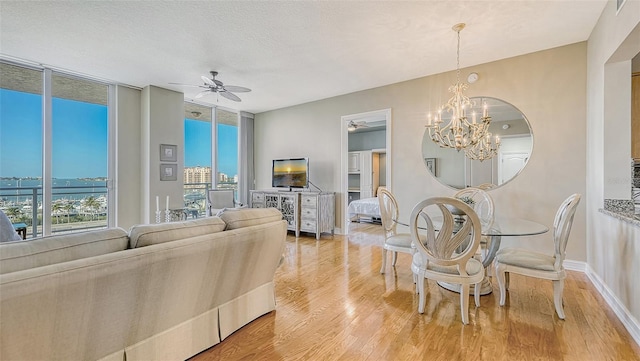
[(630, 323), (575, 265)]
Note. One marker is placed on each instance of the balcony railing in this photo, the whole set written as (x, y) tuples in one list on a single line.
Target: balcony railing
[(81, 206)]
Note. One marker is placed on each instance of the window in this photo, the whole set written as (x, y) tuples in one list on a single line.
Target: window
[(200, 172), (21, 145), (62, 187), (197, 158), (79, 152), (227, 150)]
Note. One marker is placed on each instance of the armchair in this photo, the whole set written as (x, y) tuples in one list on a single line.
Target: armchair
[(221, 199)]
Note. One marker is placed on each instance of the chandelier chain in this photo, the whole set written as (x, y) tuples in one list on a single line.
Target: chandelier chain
[(458, 59)]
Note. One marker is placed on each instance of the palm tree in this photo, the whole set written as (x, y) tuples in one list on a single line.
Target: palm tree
[(92, 203), (55, 209), (13, 212), (68, 207)]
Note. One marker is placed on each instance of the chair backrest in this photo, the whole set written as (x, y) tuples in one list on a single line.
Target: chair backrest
[(486, 186), (388, 211), (483, 205), (562, 227), (455, 241), (221, 198)]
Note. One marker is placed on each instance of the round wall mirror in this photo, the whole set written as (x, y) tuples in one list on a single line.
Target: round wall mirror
[(454, 169)]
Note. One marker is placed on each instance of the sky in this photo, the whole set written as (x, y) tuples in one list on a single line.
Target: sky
[(197, 147), (79, 143)]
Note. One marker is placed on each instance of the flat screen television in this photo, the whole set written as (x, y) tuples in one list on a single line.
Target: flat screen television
[(290, 173)]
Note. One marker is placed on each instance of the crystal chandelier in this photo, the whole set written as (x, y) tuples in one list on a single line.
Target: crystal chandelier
[(459, 133), (484, 149)]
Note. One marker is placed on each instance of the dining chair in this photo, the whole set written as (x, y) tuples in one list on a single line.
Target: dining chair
[(539, 265), (446, 255), (484, 207), (486, 186), (393, 241), (482, 204)]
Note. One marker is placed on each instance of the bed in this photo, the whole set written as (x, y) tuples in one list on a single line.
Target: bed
[(366, 207)]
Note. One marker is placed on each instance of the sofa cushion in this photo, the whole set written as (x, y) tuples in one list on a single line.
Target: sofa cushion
[(245, 217), (148, 234), (17, 256)]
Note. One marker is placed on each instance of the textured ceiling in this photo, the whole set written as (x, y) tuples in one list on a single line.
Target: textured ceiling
[(287, 52)]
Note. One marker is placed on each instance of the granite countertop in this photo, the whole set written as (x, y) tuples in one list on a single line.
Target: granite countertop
[(622, 209), (628, 217)]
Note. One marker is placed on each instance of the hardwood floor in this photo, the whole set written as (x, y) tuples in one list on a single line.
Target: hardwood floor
[(333, 304)]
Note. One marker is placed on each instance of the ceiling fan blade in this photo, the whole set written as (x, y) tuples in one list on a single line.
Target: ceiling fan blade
[(218, 82), (230, 96), (236, 89), (207, 80), (201, 94)]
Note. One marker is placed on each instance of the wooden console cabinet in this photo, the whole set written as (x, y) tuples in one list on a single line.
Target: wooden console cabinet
[(312, 212)]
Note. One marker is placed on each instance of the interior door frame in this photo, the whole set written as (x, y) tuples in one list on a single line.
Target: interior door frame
[(344, 151)]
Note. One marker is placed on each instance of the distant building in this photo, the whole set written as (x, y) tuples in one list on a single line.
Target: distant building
[(197, 175), (203, 175)]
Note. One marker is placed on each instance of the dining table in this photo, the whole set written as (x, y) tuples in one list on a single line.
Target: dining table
[(502, 226)]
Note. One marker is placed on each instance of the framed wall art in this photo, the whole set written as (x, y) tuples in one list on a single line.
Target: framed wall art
[(168, 153), (168, 172), (431, 165)]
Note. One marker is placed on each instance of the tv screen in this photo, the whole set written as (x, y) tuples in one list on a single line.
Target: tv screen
[(290, 173)]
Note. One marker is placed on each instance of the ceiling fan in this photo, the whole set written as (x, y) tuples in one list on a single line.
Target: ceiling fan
[(356, 125), (213, 85)]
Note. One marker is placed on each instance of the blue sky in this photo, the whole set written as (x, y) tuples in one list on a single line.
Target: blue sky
[(197, 146), (80, 139)]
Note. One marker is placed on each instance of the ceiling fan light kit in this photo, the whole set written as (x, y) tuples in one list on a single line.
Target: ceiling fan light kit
[(213, 85), (352, 126)]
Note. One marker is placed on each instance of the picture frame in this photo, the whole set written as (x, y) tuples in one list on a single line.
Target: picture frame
[(168, 153), (168, 172), (431, 165)]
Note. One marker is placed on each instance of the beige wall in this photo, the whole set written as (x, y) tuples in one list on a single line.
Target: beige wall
[(549, 87), (162, 123), (128, 157), (613, 246)]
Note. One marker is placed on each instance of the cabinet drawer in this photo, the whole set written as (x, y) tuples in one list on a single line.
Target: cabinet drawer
[(309, 201), (257, 197), (306, 212), (257, 205), (308, 225)]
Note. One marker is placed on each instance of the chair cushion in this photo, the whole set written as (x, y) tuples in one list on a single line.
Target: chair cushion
[(524, 258), (245, 217), (473, 266), (399, 240), (17, 256), (148, 234)]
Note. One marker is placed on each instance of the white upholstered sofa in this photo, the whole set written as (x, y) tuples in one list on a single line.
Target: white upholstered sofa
[(158, 292)]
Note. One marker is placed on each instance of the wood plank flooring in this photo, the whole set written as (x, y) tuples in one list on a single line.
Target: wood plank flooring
[(333, 304)]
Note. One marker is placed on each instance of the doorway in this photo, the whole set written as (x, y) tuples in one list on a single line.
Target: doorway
[(366, 122)]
